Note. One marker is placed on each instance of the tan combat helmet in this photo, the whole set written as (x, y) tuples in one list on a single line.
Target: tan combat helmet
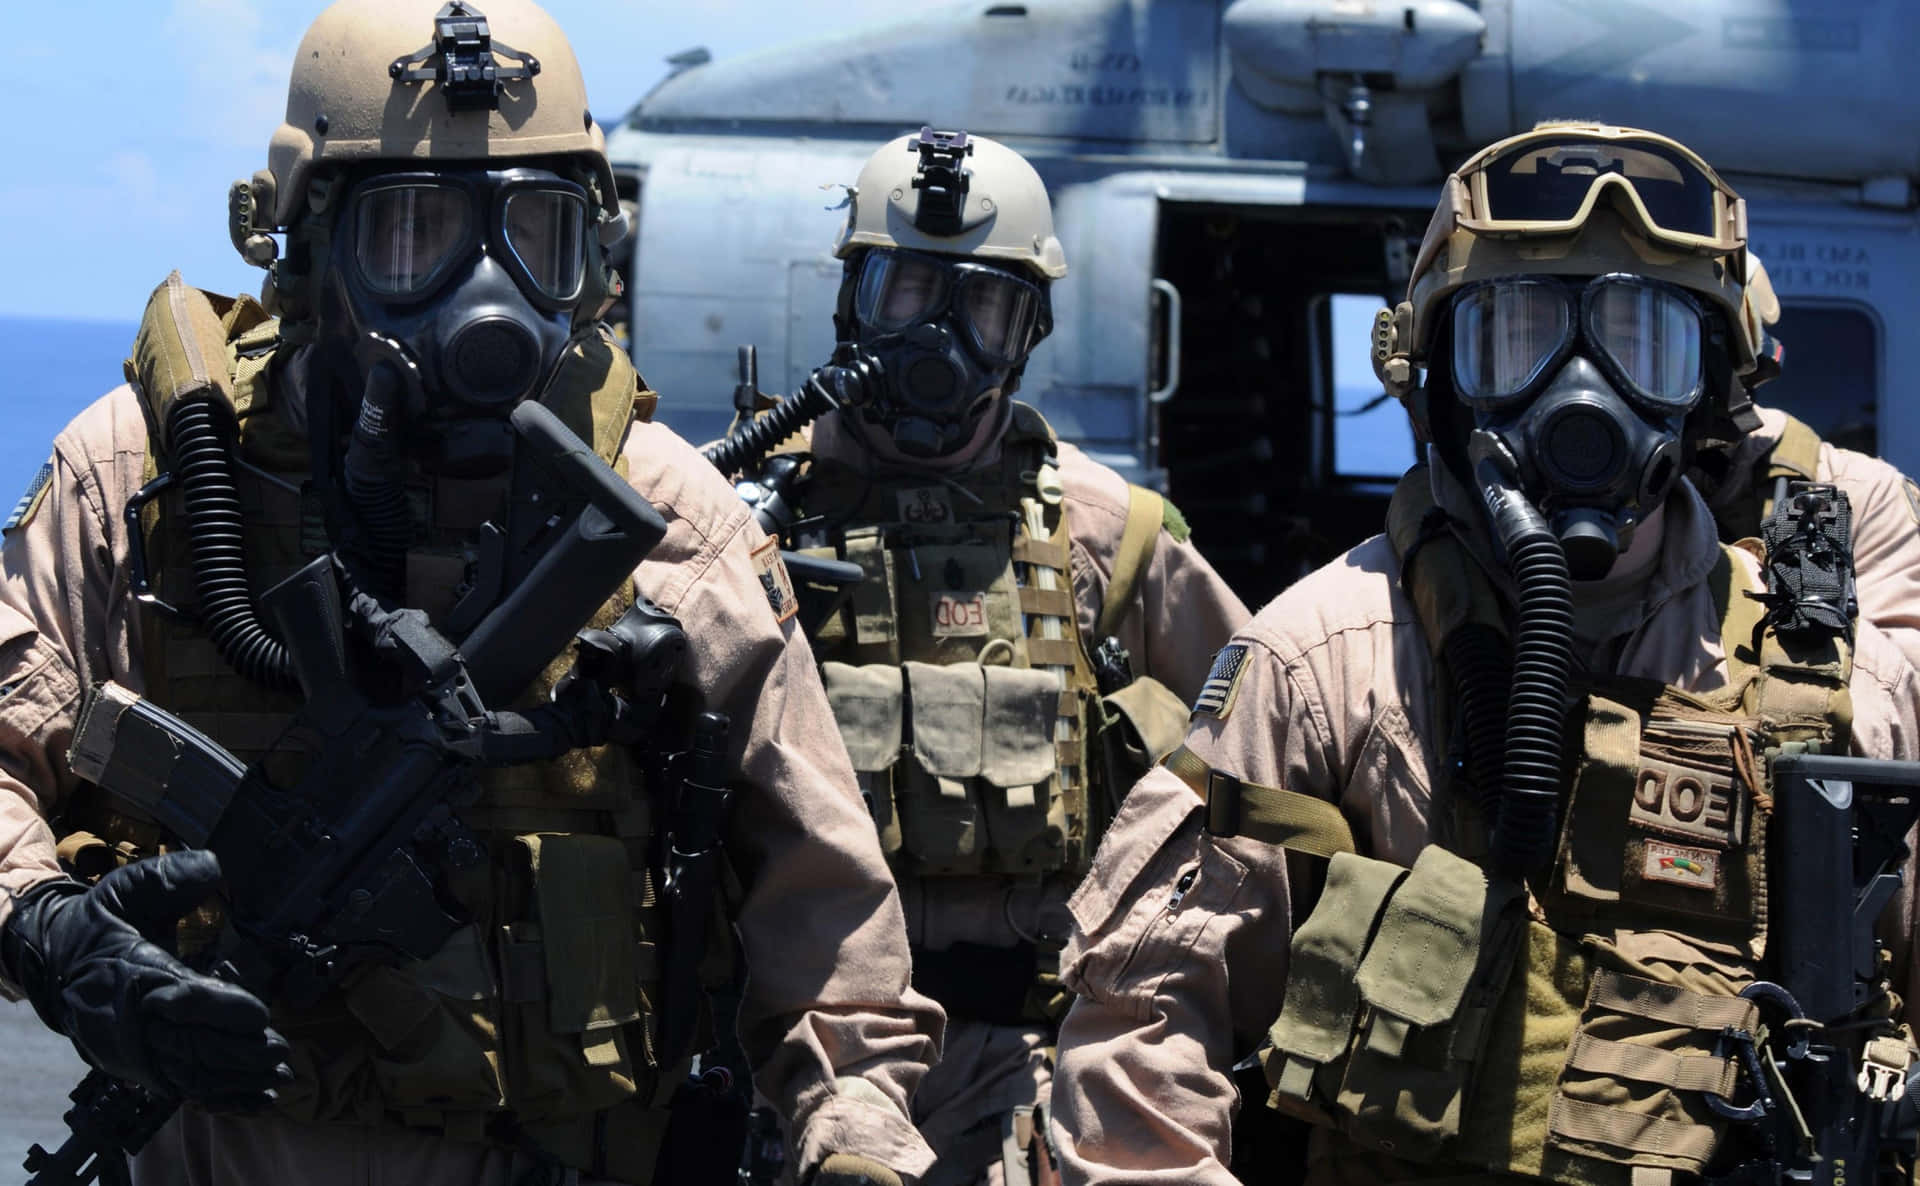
[(1580, 199), (989, 204), (421, 81)]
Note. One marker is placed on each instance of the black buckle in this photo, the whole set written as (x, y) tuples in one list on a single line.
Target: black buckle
[(1223, 804), (463, 63), (941, 179)]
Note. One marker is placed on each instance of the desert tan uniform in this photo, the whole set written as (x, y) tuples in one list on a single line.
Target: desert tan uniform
[(1886, 515), (837, 1036), (975, 1106), (1180, 947)]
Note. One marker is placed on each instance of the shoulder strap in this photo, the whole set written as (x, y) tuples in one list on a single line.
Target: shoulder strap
[(1146, 511), (1795, 455), (1271, 815), (1448, 587)]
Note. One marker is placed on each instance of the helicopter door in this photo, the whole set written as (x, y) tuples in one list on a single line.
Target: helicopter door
[(1276, 439)]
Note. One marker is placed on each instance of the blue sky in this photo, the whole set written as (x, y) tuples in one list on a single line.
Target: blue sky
[(137, 116)]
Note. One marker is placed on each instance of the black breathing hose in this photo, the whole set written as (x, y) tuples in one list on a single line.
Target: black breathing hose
[(1476, 655), (1525, 830), (827, 388), (200, 435), (374, 470)]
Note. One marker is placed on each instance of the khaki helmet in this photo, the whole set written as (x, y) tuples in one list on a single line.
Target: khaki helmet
[(1497, 217), (954, 194), (422, 80)]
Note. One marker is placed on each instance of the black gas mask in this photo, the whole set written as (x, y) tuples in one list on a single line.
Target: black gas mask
[(458, 289), (1579, 391), (949, 333)]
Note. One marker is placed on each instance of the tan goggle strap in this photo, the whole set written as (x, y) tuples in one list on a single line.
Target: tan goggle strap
[(1271, 815)]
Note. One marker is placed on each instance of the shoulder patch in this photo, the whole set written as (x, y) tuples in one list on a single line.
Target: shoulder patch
[(1173, 521), (774, 581), (1223, 682), (29, 504), (1913, 498)]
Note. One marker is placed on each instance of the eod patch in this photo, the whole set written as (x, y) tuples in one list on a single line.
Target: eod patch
[(774, 581)]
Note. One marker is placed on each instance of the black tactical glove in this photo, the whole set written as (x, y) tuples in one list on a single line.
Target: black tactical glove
[(845, 1169), (90, 961)]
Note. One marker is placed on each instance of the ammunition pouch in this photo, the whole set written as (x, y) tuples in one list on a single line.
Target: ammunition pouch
[(970, 784)]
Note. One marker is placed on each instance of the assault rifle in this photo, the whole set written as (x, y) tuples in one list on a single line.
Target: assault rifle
[(1832, 1098), (337, 845)]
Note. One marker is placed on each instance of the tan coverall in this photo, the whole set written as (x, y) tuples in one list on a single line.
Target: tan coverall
[(838, 1039), (1886, 526), (1183, 613), (1337, 701)]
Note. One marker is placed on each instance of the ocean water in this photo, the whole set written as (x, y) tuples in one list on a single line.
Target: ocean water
[(49, 371)]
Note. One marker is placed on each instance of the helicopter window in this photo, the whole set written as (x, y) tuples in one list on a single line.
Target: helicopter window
[(1830, 376), (1371, 436)]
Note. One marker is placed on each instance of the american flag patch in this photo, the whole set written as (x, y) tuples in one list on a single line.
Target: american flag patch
[(30, 501), (1216, 695)]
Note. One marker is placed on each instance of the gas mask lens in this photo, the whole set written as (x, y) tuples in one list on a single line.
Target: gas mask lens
[(998, 311), (1504, 335), (404, 235), (1509, 335), (546, 232)]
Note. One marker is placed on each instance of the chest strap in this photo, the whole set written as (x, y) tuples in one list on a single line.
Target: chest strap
[(1271, 815)]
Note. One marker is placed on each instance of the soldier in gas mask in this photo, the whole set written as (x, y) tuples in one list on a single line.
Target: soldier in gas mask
[(448, 213), (1463, 862), (1025, 629)]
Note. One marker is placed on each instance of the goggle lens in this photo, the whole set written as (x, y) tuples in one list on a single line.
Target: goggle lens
[(1503, 336), (1548, 183), (405, 233), (546, 231)]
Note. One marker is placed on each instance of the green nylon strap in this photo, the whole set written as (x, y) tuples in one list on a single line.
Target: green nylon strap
[(1271, 815), (1146, 512), (1796, 455)]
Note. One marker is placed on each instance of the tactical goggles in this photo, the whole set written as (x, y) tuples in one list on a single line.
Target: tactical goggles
[(1000, 313), (1510, 335), (412, 230), (1550, 184)]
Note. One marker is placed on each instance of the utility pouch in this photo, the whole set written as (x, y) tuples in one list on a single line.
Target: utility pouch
[(1139, 725), (1663, 818), (1026, 818), (1398, 1010), (436, 1033), (572, 977), (941, 821), (867, 705)]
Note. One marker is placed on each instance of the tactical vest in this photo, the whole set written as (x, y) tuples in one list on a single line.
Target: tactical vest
[(956, 671), (532, 1027), (1436, 1016)]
